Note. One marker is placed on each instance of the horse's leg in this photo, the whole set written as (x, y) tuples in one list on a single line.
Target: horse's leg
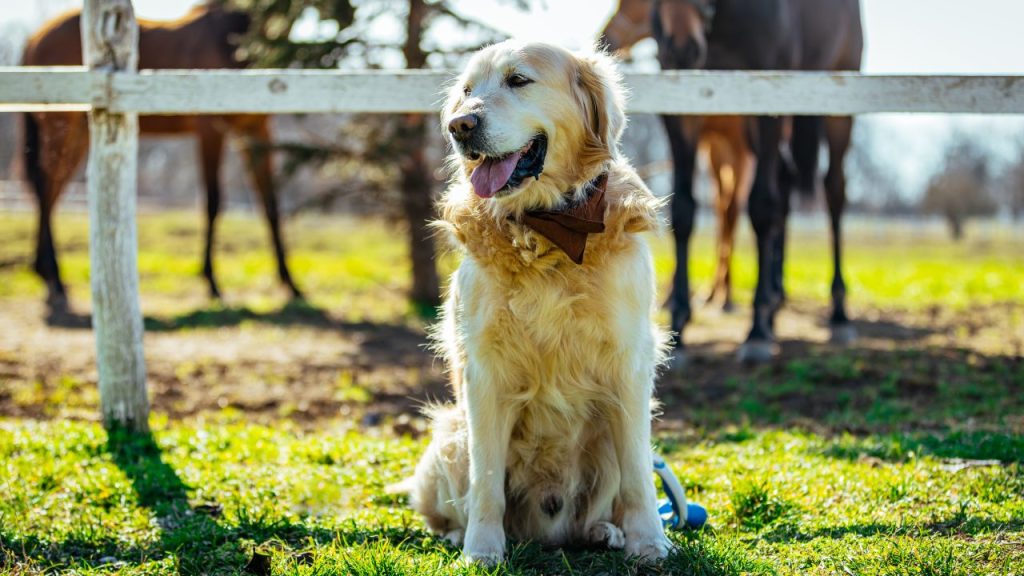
[(46, 254), (211, 151), (743, 169), (805, 143), (785, 191), (682, 137), (838, 131), (45, 264), (724, 176), (765, 209), (261, 171), (55, 144)]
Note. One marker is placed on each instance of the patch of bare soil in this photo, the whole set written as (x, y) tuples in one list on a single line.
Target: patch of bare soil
[(907, 369), (307, 366), (297, 364)]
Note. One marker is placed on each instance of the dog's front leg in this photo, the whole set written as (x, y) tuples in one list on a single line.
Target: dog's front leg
[(645, 535), (490, 428)]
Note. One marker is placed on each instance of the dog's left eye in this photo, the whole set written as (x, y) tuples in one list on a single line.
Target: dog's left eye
[(518, 81)]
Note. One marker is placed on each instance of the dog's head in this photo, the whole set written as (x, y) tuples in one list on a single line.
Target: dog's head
[(529, 122)]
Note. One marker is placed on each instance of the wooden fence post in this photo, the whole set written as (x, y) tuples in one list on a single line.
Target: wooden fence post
[(110, 40)]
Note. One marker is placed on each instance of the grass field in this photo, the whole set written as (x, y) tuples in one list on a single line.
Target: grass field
[(277, 426)]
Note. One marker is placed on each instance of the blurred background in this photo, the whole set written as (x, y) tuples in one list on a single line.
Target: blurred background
[(895, 168), (934, 239)]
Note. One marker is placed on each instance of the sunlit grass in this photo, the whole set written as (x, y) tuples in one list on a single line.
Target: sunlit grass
[(205, 495), (361, 268), (885, 264), (864, 461)]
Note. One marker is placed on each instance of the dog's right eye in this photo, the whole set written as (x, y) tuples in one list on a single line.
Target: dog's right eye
[(518, 81)]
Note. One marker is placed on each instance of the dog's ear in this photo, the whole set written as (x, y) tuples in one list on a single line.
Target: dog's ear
[(602, 99)]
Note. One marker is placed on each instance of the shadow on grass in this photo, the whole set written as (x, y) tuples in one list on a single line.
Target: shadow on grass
[(960, 524), (192, 534), (887, 330), (694, 553), (196, 534), (14, 262), (861, 390), (385, 337), (204, 539), (974, 445), (294, 313), (62, 316)]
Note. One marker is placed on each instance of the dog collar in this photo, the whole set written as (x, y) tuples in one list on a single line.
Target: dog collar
[(568, 228)]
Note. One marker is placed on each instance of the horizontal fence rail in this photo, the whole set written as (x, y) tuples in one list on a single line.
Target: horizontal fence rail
[(167, 92)]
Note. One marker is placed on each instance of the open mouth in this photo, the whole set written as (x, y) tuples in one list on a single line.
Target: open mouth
[(497, 175)]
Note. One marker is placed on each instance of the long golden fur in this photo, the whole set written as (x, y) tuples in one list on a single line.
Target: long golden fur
[(552, 363)]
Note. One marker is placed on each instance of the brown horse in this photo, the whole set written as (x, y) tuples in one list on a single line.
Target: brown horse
[(56, 142), (724, 140), (757, 35)]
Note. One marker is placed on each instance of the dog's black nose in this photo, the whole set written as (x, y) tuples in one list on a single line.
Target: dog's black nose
[(463, 126), (552, 504)]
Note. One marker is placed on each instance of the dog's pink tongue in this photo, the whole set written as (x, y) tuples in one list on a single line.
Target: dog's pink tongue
[(492, 175)]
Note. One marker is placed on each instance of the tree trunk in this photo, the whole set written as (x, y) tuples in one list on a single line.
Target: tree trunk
[(956, 226), (417, 179), (418, 203)]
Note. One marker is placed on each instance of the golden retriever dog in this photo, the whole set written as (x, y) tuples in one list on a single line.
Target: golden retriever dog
[(552, 350)]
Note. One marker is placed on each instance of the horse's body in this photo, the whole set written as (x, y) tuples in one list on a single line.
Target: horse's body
[(56, 142), (756, 35)]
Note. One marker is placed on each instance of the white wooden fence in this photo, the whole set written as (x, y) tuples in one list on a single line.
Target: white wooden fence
[(114, 94), (321, 91)]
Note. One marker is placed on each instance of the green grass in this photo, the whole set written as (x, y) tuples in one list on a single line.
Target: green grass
[(869, 461), (357, 266), (361, 266), (201, 497)]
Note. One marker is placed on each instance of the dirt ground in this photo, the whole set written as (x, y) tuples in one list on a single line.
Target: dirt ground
[(302, 364)]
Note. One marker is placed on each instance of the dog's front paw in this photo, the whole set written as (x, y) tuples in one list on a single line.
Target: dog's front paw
[(645, 534), (649, 548), (485, 544), (607, 534), (455, 537)]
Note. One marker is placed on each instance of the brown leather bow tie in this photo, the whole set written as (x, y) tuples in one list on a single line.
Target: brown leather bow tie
[(568, 228)]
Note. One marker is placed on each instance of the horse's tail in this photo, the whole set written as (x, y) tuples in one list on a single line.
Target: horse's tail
[(808, 133), (33, 152)]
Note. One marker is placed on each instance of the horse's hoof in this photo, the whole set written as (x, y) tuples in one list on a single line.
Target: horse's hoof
[(57, 303), (678, 361), (293, 289), (757, 352), (843, 334)]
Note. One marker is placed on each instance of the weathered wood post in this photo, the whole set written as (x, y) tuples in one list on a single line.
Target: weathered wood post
[(110, 40)]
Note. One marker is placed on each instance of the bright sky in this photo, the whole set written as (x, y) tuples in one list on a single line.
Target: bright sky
[(914, 36), (903, 36)]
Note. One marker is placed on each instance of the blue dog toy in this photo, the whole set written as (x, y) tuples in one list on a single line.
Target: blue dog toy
[(675, 511)]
